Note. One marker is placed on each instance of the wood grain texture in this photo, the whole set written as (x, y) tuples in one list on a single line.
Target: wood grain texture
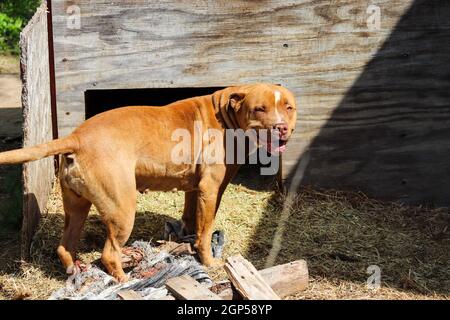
[(247, 281), (349, 81), (389, 134), (186, 288), (285, 279), (37, 124), (129, 295), (141, 44)]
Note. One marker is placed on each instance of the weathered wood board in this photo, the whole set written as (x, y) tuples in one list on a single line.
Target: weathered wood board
[(129, 295), (186, 288), (247, 280), (285, 279), (288, 278), (37, 122), (373, 103)]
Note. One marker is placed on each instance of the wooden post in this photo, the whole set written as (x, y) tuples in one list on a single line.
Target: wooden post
[(37, 122)]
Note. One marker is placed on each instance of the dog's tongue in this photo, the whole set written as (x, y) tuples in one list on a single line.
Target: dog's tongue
[(280, 149), (276, 148)]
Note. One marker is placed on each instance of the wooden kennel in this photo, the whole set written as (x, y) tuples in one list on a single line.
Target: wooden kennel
[(371, 79)]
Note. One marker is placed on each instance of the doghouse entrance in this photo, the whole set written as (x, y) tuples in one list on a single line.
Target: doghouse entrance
[(97, 101)]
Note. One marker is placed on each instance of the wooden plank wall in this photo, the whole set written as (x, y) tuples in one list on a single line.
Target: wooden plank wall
[(37, 122), (365, 115)]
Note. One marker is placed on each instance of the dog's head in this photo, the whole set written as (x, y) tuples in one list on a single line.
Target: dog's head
[(259, 107)]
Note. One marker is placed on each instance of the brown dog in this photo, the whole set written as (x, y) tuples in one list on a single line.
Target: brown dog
[(117, 152)]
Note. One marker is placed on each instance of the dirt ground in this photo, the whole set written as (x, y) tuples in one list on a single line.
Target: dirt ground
[(339, 234)]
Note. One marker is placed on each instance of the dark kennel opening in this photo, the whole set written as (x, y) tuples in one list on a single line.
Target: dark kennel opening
[(97, 101), (100, 100)]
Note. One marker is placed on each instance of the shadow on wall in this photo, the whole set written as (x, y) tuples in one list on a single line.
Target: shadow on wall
[(389, 138), (390, 135), (10, 176)]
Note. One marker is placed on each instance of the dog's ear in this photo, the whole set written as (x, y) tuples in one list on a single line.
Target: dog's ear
[(226, 102), (228, 97), (235, 100)]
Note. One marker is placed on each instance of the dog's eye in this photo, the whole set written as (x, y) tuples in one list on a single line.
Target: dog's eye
[(289, 107), (259, 109)]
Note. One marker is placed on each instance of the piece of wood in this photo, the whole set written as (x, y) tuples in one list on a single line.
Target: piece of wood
[(247, 281), (38, 176), (288, 278), (168, 297), (285, 279), (129, 295), (186, 288), (368, 100)]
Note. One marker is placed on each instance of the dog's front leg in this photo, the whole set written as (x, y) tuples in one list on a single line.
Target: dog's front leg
[(207, 203)]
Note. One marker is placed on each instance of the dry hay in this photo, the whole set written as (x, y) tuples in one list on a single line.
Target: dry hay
[(339, 234)]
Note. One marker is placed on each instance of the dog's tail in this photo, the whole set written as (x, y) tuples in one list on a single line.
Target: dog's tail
[(68, 144)]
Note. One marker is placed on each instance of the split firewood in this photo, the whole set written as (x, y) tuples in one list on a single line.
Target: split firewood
[(285, 279), (247, 281)]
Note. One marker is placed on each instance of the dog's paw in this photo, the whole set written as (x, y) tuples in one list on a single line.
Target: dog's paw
[(72, 270), (121, 278)]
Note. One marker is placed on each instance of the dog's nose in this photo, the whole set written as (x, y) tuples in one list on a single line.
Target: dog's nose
[(282, 128)]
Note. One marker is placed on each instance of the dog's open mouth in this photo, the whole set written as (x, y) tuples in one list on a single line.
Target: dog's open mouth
[(276, 147), (273, 143)]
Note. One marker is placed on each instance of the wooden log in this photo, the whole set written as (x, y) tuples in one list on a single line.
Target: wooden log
[(186, 288), (285, 279), (247, 281)]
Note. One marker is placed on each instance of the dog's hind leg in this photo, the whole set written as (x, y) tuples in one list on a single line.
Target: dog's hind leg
[(76, 209), (119, 224), (116, 202)]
